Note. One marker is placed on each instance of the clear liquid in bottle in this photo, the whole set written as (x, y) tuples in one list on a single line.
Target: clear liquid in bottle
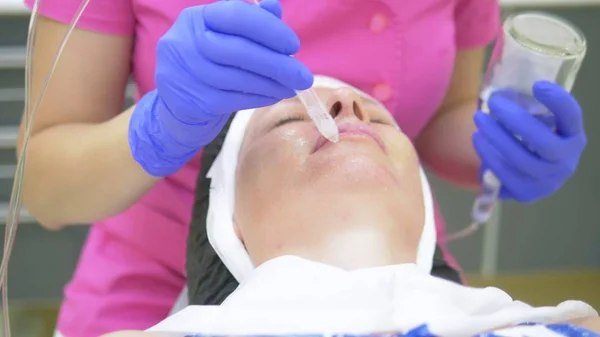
[(524, 100)]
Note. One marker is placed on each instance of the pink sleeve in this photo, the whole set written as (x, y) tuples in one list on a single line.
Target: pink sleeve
[(104, 16), (477, 22)]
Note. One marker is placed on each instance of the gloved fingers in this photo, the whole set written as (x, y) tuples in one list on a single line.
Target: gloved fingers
[(253, 23), (506, 194), (273, 6), (234, 51), (494, 161), (228, 102), (566, 109), (191, 110), (490, 158), (537, 136), (509, 147), (239, 80), (532, 190), (515, 185)]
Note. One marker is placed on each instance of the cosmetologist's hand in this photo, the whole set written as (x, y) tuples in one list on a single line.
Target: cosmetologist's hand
[(539, 164), (216, 59)]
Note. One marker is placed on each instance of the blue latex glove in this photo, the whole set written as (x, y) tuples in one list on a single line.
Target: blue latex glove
[(215, 60), (544, 160)]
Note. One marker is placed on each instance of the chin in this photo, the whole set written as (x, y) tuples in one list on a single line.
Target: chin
[(354, 170)]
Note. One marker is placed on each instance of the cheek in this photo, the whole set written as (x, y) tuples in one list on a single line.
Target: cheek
[(284, 150), (295, 143), (404, 157), (406, 162), (266, 170)]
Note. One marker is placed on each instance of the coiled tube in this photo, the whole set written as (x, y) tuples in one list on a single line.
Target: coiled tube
[(483, 207)]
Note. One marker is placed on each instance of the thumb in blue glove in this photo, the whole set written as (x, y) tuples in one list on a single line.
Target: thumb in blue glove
[(543, 160), (216, 59)]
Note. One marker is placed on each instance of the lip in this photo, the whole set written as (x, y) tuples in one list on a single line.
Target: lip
[(354, 130)]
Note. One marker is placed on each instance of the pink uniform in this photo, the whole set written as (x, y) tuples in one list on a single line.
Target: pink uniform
[(401, 51)]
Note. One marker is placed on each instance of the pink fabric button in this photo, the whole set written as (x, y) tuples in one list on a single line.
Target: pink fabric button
[(378, 23), (382, 92)]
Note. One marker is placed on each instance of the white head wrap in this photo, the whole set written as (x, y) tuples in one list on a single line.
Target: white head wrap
[(220, 226)]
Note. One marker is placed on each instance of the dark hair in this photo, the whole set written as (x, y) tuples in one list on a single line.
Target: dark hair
[(209, 281)]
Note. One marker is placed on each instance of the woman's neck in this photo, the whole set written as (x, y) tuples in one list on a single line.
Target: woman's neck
[(361, 247), (346, 237)]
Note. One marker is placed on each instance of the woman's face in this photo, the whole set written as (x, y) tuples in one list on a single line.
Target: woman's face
[(287, 170)]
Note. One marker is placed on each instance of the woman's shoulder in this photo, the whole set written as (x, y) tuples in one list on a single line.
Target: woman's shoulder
[(103, 16)]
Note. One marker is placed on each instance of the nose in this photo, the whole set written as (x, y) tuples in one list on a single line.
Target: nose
[(346, 103)]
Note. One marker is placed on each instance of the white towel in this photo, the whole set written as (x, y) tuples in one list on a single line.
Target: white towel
[(291, 295), (220, 227)]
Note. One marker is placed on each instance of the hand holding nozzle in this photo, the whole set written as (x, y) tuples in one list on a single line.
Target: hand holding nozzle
[(216, 59)]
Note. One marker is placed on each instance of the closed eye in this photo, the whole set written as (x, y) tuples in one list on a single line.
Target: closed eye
[(381, 121), (289, 119)]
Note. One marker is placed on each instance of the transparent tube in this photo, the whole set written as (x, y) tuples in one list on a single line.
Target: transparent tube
[(315, 109), (534, 46), (29, 111)]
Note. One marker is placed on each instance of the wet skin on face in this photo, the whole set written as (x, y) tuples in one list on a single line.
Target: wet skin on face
[(354, 203)]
